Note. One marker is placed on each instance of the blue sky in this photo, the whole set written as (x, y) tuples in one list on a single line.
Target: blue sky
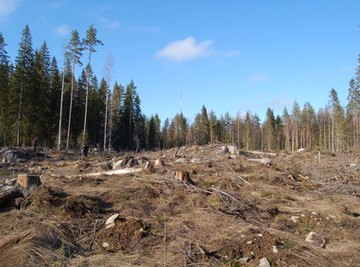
[(229, 55)]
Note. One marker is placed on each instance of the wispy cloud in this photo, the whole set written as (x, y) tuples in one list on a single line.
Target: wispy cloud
[(150, 29), (187, 49), (109, 23), (258, 77), (345, 69), (7, 7), (280, 102), (55, 4), (62, 30)]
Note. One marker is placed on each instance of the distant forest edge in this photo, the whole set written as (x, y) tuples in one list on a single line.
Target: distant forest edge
[(39, 100)]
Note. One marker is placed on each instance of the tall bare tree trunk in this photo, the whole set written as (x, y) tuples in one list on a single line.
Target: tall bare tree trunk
[(70, 109)]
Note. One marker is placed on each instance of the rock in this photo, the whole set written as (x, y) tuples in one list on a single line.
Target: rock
[(110, 222), (105, 245), (159, 163), (295, 219), (223, 150), (264, 262), (266, 161), (245, 259), (117, 164), (233, 150), (11, 156), (275, 250), (180, 160), (195, 160), (316, 239)]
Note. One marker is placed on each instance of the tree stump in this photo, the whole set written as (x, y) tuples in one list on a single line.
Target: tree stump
[(25, 186)]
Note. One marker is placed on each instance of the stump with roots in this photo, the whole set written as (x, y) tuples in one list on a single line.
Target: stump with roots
[(25, 186)]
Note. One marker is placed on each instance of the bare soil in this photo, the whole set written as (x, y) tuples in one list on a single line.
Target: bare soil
[(236, 212)]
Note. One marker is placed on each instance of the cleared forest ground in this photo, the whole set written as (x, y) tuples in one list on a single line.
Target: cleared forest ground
[(235, 213)]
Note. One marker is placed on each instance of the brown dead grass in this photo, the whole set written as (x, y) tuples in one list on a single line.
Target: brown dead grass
[(164, 222)]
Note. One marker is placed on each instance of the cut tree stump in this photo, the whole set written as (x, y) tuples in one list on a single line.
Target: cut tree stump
[(25, 186)]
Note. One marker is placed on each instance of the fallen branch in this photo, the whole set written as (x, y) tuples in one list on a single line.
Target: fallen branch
[(226, 194), (242, 179), (111, 172)]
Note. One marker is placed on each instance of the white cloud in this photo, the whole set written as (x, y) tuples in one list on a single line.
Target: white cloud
[(7, 7), (62, 30), (186, 49), (259, 77)]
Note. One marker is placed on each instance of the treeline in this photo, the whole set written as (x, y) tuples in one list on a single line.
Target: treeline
[(64, 111)]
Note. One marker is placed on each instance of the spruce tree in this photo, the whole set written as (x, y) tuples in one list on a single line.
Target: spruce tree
[(21, 88), (5, 74)]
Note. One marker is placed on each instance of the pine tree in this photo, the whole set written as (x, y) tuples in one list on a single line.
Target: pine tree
[(75, 53), (89, 44)]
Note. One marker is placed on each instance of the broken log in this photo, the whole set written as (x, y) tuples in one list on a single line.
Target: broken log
[(9, 195)]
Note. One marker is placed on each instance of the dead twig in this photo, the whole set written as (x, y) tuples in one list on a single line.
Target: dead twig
[(226, 194), (242, 179)]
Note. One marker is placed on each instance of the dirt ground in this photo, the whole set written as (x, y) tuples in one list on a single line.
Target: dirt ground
[(236, 212)]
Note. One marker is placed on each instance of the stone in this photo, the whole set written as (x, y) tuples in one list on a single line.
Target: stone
[(105, 245), (275, 249), (245, 259), (223, 150), (180, 160), (117, 164), (11, 156), (295, 219), (264, 262), (266, 161), (233, 150), (110, 222), (316, 239)]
